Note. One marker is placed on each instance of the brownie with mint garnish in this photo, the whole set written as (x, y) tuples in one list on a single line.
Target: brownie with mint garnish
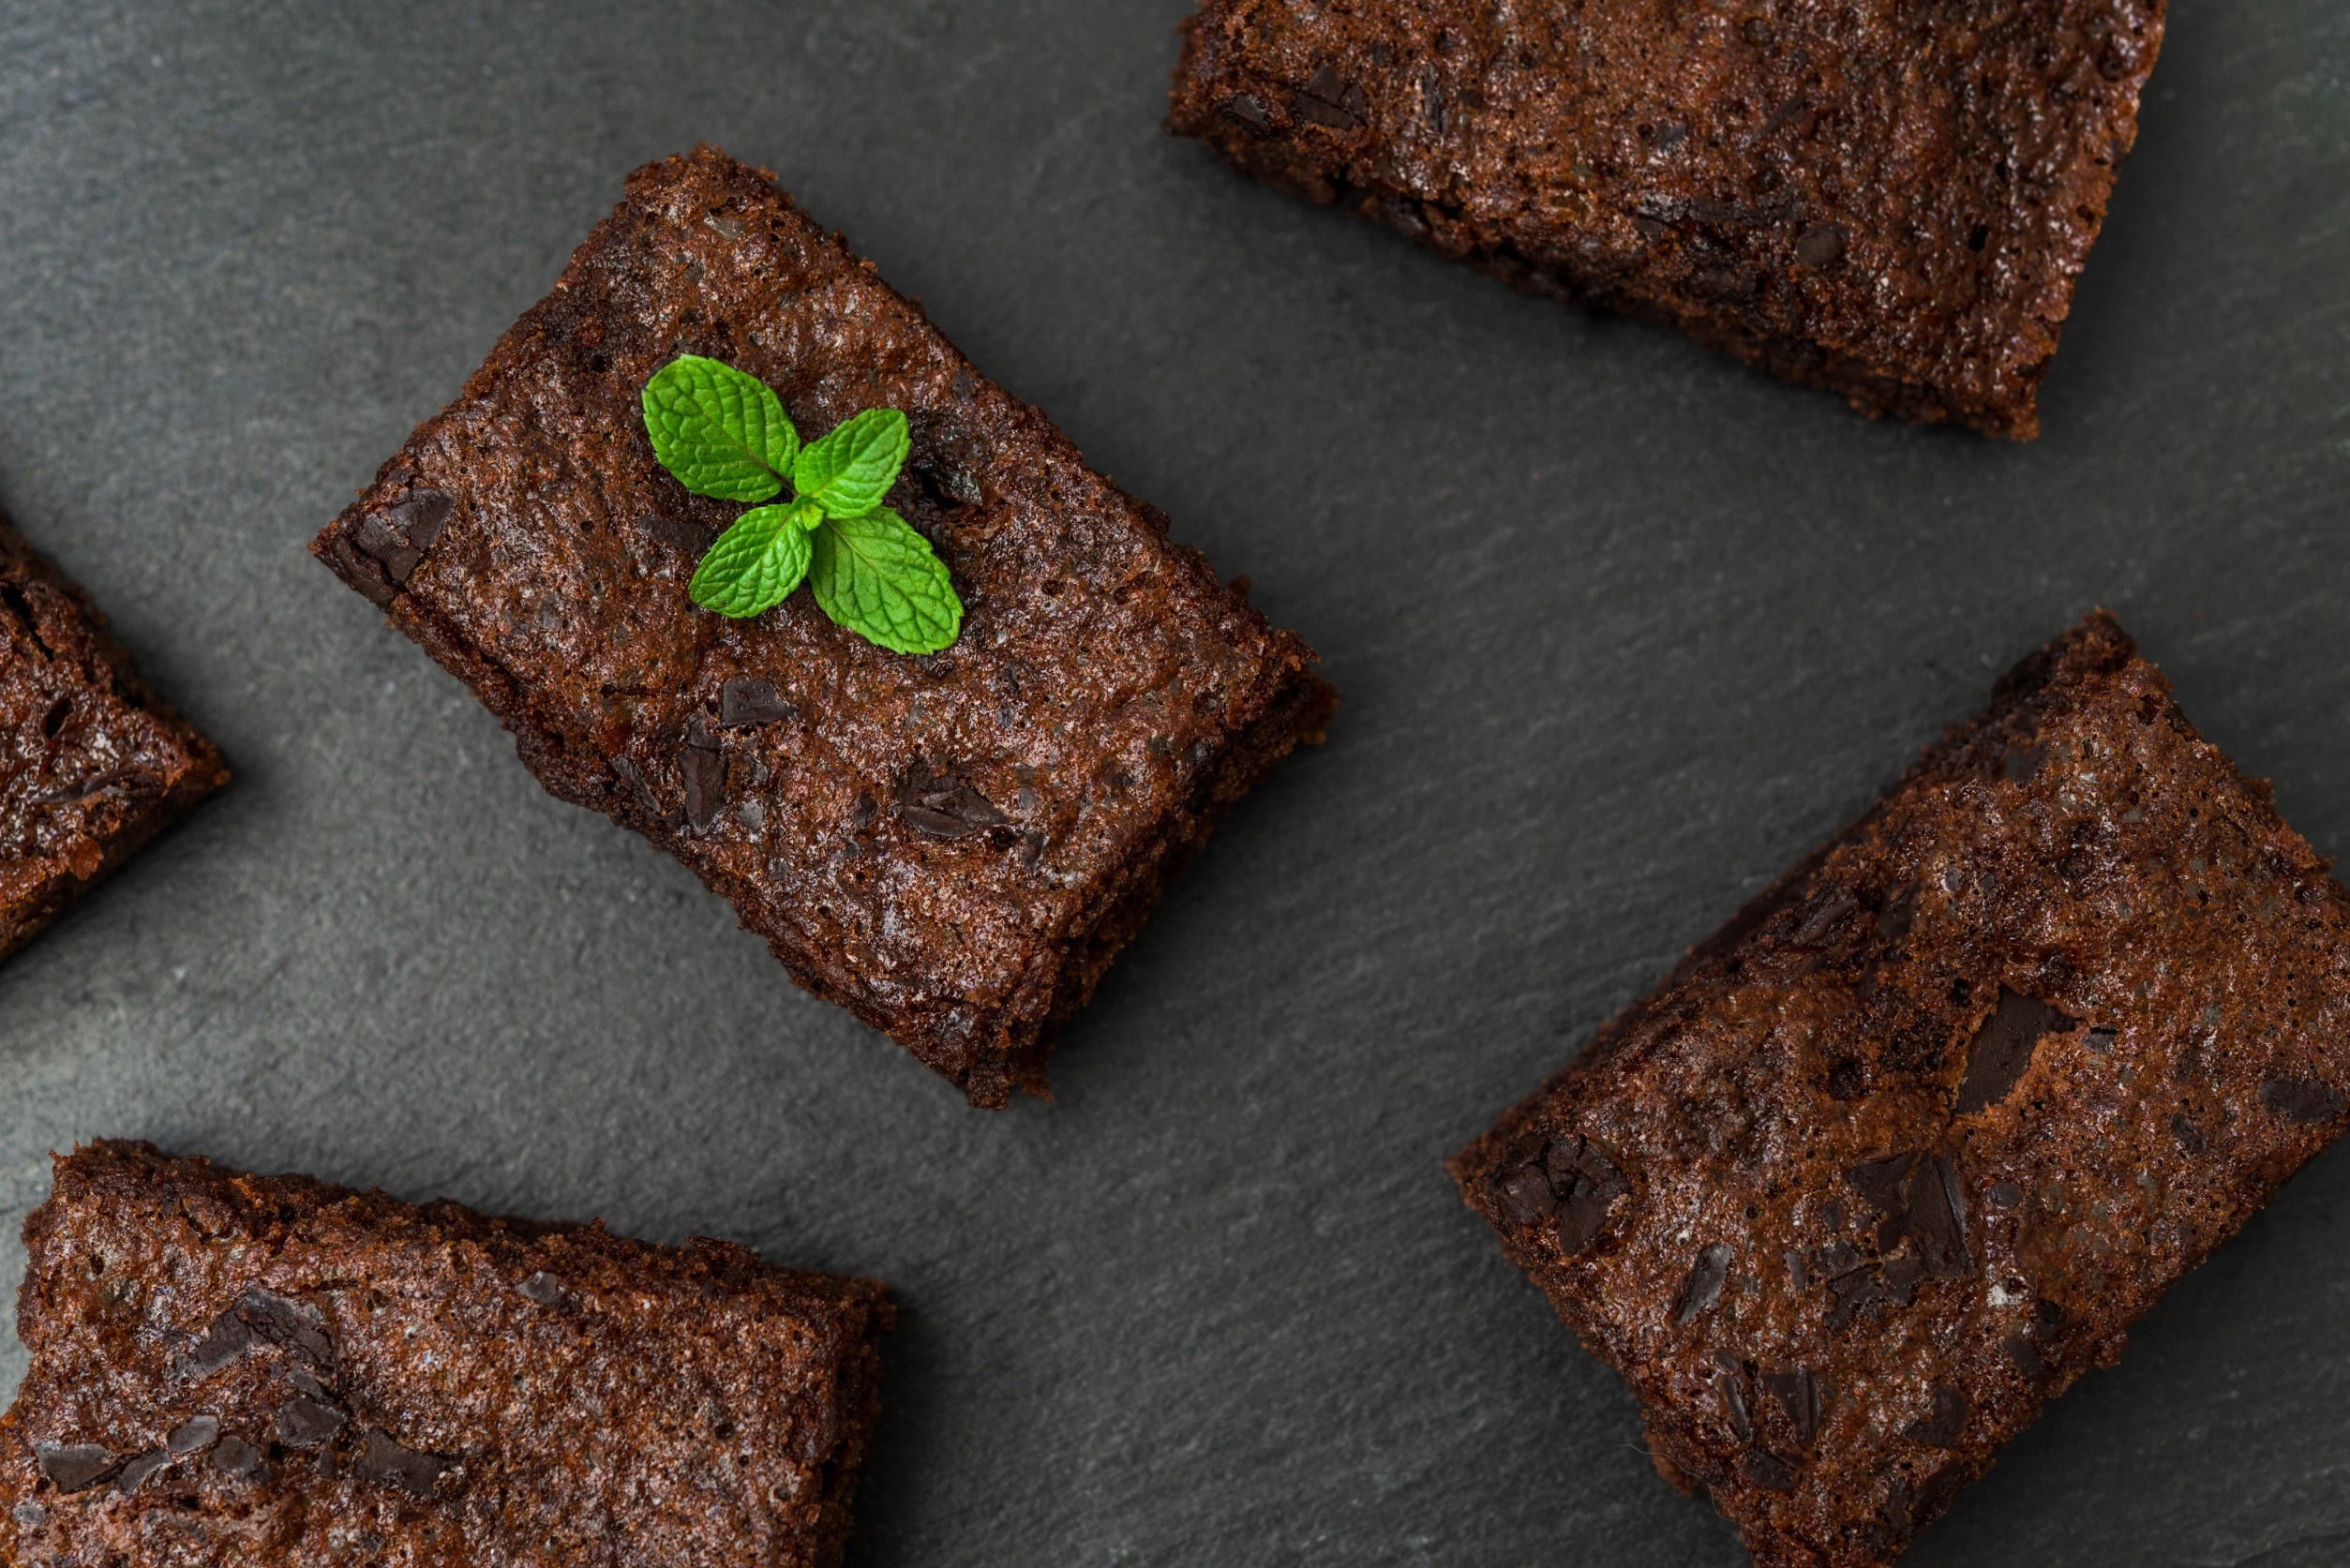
[(952, 843), (1904, 1149), (93, 764), (229, 1369), (1892, 201)]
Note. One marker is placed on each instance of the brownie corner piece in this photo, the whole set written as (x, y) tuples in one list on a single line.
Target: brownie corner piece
[(1905, 1148), (953, 846), (1892, 203), (96, 764), (235, 1369)]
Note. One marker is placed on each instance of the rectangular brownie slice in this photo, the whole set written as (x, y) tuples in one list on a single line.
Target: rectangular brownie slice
[(232, 1369), (952, 845), (93, 764), (1904, 1149), (1889, 200)]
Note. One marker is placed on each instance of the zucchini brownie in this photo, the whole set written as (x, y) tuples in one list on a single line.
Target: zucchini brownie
[(94, 764), (1891, 200), (953, 845), (1903, 1149), (232, 1369)]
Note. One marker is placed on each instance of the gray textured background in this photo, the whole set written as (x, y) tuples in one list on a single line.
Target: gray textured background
[(1622, 627)]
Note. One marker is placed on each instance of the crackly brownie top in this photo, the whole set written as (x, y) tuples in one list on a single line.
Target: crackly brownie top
[(231, 1368), (924, 825), (1914, 187), (85, 750), (1902, 1151)]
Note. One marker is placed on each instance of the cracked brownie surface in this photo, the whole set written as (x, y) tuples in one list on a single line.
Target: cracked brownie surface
[(1903, 1150), (231, 1369)]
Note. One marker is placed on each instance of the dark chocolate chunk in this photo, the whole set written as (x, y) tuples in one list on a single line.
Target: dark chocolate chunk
[(1821, 245), (2026, 1357), (2003, 1048), (2023, 762), (1525, 1194), (1937, 1218), (681, 533), (1730, 1384), (364, 573), (1797, 1394), (943, 805), (1900, 1277), (75, 1467), (705, 771), (1702, 1289), (1879, 1181), (1834, 1261), (1248, 109), (193, 1434), (2189, 1136), (2101, 1038), (1767, 1471), (1899, 913), (375, 536), (305, 1423), (2003, 1195), (2303, 1100), (136, 1473), (294, 1325), (747, 701), (1821, 923), (1853, 1293), (235, 1456), (1934, 1493), (421, 517), (391, 1463), (304, 1383), (633, 778), (222, 1343), (545, 1288), (1943, 1425)]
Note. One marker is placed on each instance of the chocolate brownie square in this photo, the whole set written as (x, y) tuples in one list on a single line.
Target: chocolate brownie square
[(93, 764), (231, 1369), (1904, 1149), (1889, 200), (953, 845)]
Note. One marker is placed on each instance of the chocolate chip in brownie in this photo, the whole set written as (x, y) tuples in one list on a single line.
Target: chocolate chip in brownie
[(633, 779), (2026, 1357), (1900, 1277), (136, 1473), (238, 1460), (364, 573), (1247, 109), (748, 701), (681, 533), (222, 1344), (2003, 1195), (2189, 1136), (1797, 1394), (193, 1434), (1821, 245), (1702, 1289), (1854, 1293), (1943, 1425), (306, 1422), (2302, 1101), (295, 1325), (1937, 1218), (75, 1467), (944, 805), (1730, 1385), (1592, 1184), (2101, 1036), (1525, 1194), (1880, 1181), (2002, 1049), (388, 1462), (1834, 1261), (1767, 1471), (705, 771)]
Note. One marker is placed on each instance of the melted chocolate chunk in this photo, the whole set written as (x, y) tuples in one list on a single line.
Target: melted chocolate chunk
[(305, 1423), (1921, 1199), (1943, 1425), (705, 771), (221, 1345), (2302, 1101), (1702, 1289), (137, 1470), (75, 1467), (193, 1434), (388, 1462), (296, 1326), (364, 573), (1525, 1194), (745, 701), (1767, 1471), (1797, 1394), (944, 805), (238, 1460), (2002, 1049)]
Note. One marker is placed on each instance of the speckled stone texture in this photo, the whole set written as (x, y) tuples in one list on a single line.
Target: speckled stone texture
[(1903, 1150), (953, 846), (1886, 199), (93, 764), (231, 1370)]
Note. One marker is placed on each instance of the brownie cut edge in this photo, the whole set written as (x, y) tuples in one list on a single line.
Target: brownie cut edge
[(94, 762), (1893, 202), (229, 1368), (953, 846), (1905, 1148)]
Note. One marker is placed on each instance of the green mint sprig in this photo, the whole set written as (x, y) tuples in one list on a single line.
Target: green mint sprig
[(725, 434)]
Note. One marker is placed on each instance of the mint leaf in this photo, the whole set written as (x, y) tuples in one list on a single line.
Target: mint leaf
[(756, 562), (876, 577), (721, 432), (848, 472)]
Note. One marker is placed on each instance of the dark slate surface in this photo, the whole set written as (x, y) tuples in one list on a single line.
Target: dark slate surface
[(1623, 629)]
